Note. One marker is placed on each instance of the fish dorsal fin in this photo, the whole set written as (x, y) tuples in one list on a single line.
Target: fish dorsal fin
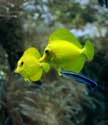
[(64, 34), (32, 51)]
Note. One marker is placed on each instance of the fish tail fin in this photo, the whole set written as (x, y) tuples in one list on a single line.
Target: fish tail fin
[(88, 50)]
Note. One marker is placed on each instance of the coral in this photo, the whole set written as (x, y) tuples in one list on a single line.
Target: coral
[(58, 103)]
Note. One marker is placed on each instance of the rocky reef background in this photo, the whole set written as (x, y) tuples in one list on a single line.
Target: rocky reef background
[(57, 101)]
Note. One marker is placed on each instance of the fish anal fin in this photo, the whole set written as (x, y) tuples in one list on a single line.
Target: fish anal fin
[(76, 65), (36, 76)]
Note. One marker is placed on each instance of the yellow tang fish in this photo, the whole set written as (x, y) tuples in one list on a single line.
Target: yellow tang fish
[(29, 66), (65, 52)]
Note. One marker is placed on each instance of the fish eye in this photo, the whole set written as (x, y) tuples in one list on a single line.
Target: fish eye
[(22, 63), (46, 51)]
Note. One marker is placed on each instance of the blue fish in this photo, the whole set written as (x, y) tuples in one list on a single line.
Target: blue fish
[(79, 78)]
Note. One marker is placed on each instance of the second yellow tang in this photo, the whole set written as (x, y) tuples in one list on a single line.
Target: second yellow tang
[(65, 52), (29, 65)]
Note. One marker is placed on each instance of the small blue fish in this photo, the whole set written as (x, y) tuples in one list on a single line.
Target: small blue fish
[(79, 78)]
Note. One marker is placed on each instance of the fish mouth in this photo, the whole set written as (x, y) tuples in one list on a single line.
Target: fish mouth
[(43, 58), (17, 70)]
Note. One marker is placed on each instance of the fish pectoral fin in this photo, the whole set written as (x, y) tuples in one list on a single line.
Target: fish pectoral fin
[(45, 67)]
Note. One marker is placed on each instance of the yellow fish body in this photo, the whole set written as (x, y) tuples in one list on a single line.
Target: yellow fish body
[(29, 66), (65, 52)]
